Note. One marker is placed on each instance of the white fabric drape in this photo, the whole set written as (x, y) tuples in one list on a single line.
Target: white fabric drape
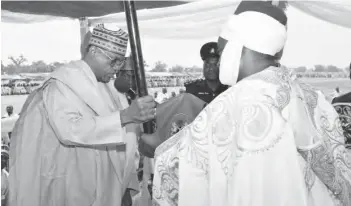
[(199, 19), (335, 12), (203, 19), (14, 17)]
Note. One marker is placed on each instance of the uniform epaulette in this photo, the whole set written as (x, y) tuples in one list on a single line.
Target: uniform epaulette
[(193, 82)]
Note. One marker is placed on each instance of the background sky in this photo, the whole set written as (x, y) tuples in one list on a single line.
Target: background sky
[(310, 41)]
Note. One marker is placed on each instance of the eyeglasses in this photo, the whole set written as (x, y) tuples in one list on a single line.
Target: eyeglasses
[(117, 62)]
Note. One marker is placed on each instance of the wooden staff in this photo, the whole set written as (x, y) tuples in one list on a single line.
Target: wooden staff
[(138, 61), (84, 28)]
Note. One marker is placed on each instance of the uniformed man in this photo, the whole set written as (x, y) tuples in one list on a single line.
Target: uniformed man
[(210, 87)]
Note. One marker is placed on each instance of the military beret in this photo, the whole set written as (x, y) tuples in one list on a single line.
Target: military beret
[(209, 49)]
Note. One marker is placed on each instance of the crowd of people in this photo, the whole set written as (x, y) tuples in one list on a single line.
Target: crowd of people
[(19, 88), (162, 81), (247, 134), (152, 82), (164, 95)]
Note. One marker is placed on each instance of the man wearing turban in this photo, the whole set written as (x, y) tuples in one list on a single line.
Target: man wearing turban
[(268, 140), (76, 139)]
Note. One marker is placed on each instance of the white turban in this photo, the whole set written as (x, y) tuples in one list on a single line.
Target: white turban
[(253, 30)]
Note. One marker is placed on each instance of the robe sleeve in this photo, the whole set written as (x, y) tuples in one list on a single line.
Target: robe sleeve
[(75, 128)]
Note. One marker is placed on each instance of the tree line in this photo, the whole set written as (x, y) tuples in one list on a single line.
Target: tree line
[(20, 65), (320, 68), (162, 67)]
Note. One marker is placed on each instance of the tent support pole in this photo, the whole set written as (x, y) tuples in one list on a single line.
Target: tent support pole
[(134, 39), (84, 28)]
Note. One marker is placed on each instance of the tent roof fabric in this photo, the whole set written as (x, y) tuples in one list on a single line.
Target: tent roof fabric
[(188, 20), (78, 9)]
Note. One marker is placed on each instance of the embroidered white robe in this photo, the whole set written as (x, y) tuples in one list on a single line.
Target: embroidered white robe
[(267, 141)]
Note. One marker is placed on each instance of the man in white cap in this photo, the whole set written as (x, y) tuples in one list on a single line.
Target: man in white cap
[(76, 139), (266, 141)]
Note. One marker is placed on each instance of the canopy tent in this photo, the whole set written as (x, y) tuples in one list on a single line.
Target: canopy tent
[(11, 76), (34, 75), (163, 19), (203, 19), (16, 11)]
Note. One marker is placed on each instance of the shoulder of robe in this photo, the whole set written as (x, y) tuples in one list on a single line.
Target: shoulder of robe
[(195, 82)]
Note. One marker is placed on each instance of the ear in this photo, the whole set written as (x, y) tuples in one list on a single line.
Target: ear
[(92, 50), (279, 54)]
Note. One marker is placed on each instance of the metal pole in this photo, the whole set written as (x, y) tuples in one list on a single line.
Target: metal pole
[(134, 39), (84, 28)]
